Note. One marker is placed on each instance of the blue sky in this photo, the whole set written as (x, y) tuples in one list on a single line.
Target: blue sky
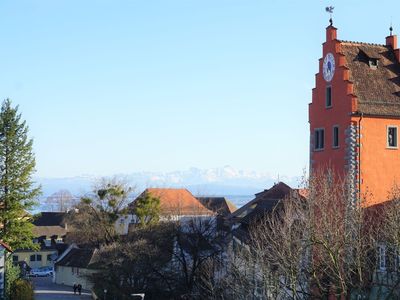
[(124, 86)]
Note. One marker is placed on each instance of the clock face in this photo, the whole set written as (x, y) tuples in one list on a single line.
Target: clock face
[(328, 68)]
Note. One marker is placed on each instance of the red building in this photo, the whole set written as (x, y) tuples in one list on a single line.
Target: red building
[(355, 114)]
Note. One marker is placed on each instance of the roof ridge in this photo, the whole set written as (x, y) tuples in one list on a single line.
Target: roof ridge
[(168, 188), (380, 102), (362, 43)]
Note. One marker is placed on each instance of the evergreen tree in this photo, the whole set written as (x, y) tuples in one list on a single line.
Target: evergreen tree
[(147, 210), (17, 190)]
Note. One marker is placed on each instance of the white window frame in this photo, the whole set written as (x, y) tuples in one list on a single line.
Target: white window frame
[(326, 96), (316, 132), (396, 137), (333, 137)]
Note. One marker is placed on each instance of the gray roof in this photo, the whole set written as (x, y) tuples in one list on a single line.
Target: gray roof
[(80, 258), (219, 205)]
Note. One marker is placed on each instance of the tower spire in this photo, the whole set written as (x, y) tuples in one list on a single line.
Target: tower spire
[(391, 26)]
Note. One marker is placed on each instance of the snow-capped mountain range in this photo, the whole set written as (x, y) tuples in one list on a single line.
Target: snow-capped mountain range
[(215, 181)]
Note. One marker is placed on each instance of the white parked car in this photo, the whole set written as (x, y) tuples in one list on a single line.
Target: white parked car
[(42, 272)]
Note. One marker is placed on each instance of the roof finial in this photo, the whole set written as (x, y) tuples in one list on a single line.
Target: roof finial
[(391, 27), (329, 9)]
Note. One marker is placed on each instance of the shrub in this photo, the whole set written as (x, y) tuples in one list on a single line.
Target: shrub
[(21, 290), (12, 273)]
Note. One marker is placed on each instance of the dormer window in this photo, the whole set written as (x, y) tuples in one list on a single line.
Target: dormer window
[(369, 55), (373, 63)]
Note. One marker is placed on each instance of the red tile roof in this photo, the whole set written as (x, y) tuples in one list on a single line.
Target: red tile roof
[(177, 202), (377, 89), (6, 246)]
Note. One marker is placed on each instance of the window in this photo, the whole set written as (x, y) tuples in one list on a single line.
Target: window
[(373, 63), (319, 139), (38, 257), (33, 258), (15, 258), (73, 270), (335, 142), (392, 137), (396, 259), (49, 257), (382, 257), (328, 97)]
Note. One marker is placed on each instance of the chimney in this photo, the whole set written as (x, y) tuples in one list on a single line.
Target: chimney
[(331, 33), (391, 40)]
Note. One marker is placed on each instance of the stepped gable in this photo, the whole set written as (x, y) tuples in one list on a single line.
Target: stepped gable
[(377, 88), (176, 202)]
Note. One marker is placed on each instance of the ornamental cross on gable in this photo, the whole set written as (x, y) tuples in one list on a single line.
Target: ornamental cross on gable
[(330, 9)]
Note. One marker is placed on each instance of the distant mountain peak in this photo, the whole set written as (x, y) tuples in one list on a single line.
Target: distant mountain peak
[(219, 180)]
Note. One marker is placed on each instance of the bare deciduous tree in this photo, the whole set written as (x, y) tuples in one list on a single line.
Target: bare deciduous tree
[(92, 223), (319, 247)]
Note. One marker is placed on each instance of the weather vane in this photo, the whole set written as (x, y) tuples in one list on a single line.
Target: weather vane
[(329, 9)]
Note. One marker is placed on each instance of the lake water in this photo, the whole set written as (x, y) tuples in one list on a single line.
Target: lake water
[(238, 200)]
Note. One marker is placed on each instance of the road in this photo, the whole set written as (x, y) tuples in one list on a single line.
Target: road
[(45, 289)]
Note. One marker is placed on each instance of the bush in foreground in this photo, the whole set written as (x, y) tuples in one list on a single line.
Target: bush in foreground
[(21, 290)]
